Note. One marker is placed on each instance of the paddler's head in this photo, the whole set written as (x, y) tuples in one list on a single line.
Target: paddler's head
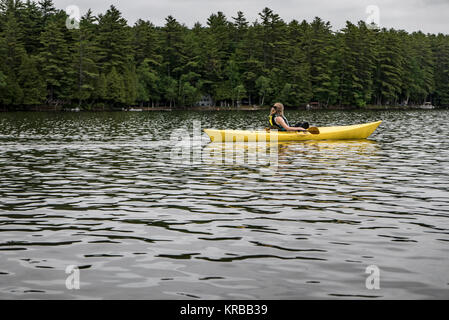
[(279, 108)]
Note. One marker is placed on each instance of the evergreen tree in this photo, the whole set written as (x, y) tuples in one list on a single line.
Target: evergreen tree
[(2, 80), (11, 52), (115, 89), (217, 52), (114, 41), (320, 50), (32, 25), (47, 9), (296, 68), (418, 76), (173, 33), (99, 93), (31, 82), (56, 59), (146, 43), (106, 62), (263, 86), (357, 64), (191, 64), (440, 45), (147, 87), (250, 65), (189, 94), (130, 85), (85, 58), (170, 86), (390, 68), (240, 27), (274, 42)]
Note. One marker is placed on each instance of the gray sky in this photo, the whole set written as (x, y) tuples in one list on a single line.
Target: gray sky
[(429, 16)]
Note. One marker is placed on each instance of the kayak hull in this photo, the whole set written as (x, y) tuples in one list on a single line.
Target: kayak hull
[(358, 131)]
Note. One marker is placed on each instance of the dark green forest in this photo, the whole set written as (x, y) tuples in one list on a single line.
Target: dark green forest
[(108, 63)]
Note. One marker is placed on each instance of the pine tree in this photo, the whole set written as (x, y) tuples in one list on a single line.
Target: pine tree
[(11, 38), (11, 52), (146, 43), (240, 27), (11, 94), (170, 90), (32, 25), (274, 42), (47, 9), (390, 68), (115, 88), (320, 51), (11, 6), (130, 85), (191, 53), (173, 42), (114, 41), (147, 83), (85, 58), (440, 45), (217, 51), (356, 65), (2, 80), (99, 93), (188, 94), (247, 57), (235, 89), (296, 68), (418, 76), (31, 82), (263, 86), (56, 59), (219, 36)]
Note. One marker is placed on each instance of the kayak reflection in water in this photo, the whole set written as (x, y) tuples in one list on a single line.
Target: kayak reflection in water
[(280, 122)]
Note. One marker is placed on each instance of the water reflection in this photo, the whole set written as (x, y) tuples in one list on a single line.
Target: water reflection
[(325, 152)]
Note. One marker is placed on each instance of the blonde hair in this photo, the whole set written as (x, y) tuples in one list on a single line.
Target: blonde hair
[(279, 108)]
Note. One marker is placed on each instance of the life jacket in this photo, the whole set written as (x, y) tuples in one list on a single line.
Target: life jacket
[(272, 119)]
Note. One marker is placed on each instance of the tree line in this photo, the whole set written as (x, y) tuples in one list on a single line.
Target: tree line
[(106, 62)]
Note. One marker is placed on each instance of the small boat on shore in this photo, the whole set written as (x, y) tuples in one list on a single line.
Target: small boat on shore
[(426, 105), (358, 131)]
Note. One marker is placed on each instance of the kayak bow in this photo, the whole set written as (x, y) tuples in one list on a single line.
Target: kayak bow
[(358, 131)]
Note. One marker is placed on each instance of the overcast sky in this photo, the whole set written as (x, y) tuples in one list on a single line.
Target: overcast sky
[(429, 16)]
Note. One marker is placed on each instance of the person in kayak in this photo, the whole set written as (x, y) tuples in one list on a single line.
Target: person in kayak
[(280, 122)]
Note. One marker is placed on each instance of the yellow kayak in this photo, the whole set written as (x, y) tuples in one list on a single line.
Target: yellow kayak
[(358, 131)]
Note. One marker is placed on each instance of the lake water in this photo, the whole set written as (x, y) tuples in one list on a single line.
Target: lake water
[(105, 194)]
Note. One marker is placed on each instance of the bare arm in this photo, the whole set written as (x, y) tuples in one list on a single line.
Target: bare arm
[(282, 123)]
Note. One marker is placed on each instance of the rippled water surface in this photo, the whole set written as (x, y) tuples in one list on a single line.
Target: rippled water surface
[(108, 193)]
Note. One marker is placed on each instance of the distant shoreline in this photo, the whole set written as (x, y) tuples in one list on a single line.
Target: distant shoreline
[(212, 108)]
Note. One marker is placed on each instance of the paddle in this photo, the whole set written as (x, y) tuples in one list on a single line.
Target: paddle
[(314, 130)]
